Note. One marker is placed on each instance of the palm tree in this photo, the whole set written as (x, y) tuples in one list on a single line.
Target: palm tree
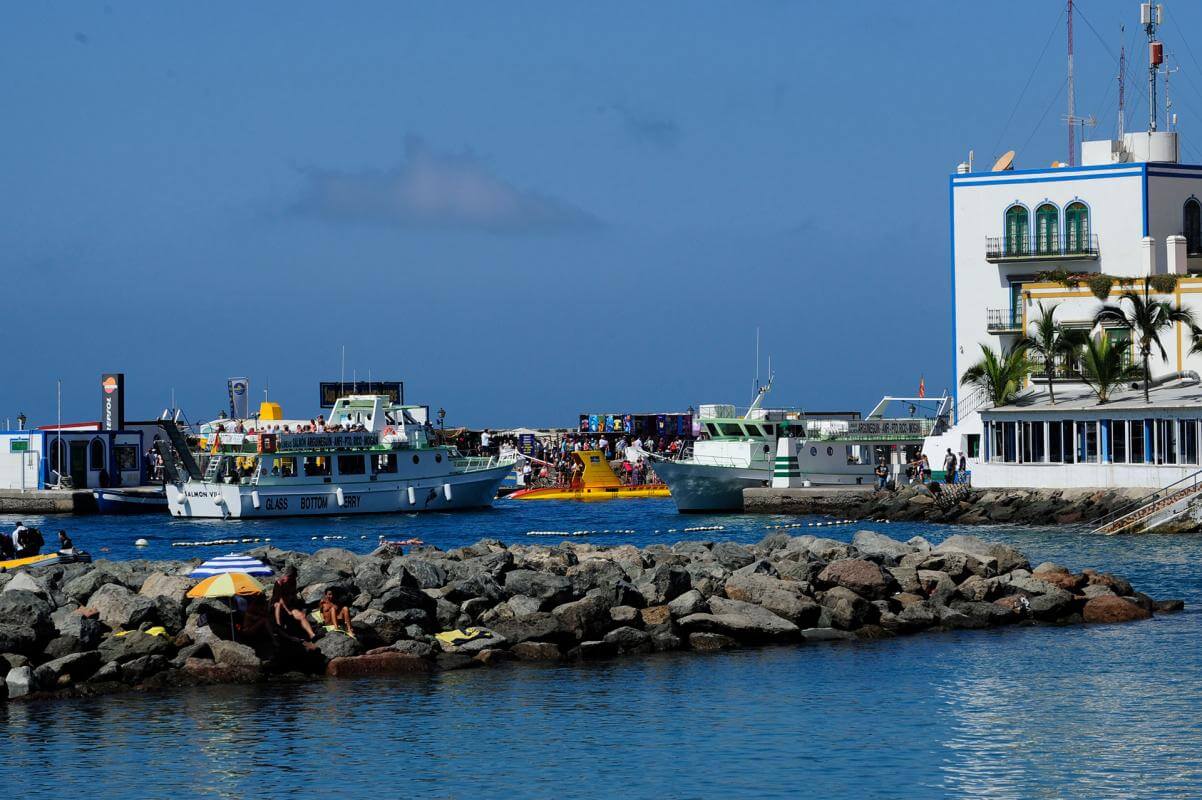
[(1048, 341), (1104, 364), (999, 375), (1147, 319)]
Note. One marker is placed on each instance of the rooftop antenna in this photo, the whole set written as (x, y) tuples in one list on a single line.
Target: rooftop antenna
[(1170, 119), (757, 357), (1150, 15), (1122, 73), (1071, 118)]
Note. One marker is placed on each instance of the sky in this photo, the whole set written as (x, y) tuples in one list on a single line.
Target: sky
[(524, 211)]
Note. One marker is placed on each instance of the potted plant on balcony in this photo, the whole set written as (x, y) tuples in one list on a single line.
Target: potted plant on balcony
[(999, 375)]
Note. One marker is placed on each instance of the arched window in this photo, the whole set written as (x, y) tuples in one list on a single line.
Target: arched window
[(1192, 226), (1076, 228), (1018, 239), (96, 454), (1047, 230)]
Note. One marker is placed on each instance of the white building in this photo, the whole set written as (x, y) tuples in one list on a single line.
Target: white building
[(1026, 238)]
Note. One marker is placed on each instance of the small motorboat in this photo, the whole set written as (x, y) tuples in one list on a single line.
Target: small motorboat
[(46, 560), (595, 480), (133, 500)]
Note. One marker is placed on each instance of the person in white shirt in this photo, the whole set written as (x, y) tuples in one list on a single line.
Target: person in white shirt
[(16, 535), (484, 442)]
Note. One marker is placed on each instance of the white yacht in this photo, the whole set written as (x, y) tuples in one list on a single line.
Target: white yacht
[(737, 452), (372, 456)]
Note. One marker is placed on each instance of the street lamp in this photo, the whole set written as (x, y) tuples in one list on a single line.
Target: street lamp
[(20, 422)]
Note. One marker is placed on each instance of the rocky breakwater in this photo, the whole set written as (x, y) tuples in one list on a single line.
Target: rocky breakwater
[(87, 628), (958, 504)]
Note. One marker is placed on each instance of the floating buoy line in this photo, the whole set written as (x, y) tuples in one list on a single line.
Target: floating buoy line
[(793, 525), (219, 542)]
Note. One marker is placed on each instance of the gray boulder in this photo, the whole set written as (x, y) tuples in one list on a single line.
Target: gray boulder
[(827, 635), (628, 640), (67, 669), (691, 602), (370, 576), (18, 639), (1051, 605), (937, 586), (25, 582), (732, 555), (667, 582), (234, 654), (783, 598), (133, 645), (540, 626), (138, 670), (743, 621), (550, 590), (384, 627), (84, 586), (482, 584), (27, 610), (19, 682), (118, 607), (61, 646), (87, 629), (708, 641), (871, 543), (847, 609), (918, 616), (586, 617), (428, 574), (863, 577), (339, 645), (159, 584)]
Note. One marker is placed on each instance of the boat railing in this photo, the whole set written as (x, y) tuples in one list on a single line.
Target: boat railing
[(475, 463)]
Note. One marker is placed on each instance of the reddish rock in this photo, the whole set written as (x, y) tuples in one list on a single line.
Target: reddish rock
[(862, 577), (1110, 608), (656, 615), (87, 613), (1062, 579), (703, 640), (1068, 517), (904, 599), (1113, 582), (492, 656), (1012, 603), (379, 664), (204, 671), (536, 651)]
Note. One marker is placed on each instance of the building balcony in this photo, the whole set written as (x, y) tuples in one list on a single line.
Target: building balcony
[(1003, 320), (1005, 249)]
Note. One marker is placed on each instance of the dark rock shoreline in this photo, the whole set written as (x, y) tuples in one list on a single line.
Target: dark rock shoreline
[(949, 504), (80, 629)]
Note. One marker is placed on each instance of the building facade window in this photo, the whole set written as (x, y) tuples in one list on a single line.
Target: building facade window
[(1076, 228), (1118, 441), (1191, 226), (1047, 230), (96, 454), (1018, 226)]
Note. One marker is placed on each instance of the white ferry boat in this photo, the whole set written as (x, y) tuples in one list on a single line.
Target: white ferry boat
[(372, 456), (741, 452)]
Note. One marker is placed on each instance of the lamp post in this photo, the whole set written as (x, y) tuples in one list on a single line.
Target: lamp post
[(20, 422)]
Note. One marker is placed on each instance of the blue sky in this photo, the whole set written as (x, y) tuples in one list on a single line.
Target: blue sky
[(524, 211)]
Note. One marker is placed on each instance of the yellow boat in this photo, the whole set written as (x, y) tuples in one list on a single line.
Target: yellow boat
[(595, 481)]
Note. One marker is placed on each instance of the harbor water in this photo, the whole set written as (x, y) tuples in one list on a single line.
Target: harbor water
[(1089, 711)]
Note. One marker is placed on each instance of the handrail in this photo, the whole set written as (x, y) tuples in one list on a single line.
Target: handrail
[(1139, 503)]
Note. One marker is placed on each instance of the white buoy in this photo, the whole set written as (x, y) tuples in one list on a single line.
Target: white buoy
[(254, 498), (446, 491), (141, 543), (412, 496), (339, 496)]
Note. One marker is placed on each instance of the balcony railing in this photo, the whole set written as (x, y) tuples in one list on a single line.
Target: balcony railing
[(1020, 248), (1003, 320)]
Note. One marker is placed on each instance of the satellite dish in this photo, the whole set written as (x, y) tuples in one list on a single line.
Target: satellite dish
[(1006, 162)]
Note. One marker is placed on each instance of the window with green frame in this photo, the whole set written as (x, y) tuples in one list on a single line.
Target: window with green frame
[(1018, 238), (1047, 229), (1076, 228)]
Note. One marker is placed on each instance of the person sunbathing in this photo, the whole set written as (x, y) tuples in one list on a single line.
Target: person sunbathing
[(285, 603), (335, 615)]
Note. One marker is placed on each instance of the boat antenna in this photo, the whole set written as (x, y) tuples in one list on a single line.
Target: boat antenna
[(757, 357), (58, 434), (342, 374)]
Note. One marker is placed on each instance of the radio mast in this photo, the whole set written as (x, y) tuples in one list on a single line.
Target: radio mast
[(1072, 113), (1150, 15), (1122, 74)]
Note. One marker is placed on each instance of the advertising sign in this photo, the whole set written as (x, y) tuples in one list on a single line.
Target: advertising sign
[(332, 390), (239, 391), (112, 401)]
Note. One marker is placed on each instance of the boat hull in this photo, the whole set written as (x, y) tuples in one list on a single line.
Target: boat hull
[(705, 487), (125, 501), (452, 492), (590, 494)]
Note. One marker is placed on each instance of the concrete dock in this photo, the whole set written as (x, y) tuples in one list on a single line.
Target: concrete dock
[(813, 499), (47, 501)]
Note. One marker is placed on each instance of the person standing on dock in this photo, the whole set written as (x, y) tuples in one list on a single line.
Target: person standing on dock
[(949, 467), (882, 474)]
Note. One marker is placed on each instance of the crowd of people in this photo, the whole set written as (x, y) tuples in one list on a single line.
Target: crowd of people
[(918, 470), (551, 462), (285, 615)]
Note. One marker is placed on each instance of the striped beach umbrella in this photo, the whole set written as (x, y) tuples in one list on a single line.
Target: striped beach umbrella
[(231, 563), (226, 584)]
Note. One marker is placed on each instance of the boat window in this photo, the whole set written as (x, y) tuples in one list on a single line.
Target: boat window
[(711, 428), (754, 432), (730, 429), (383, 464), (316, 466), (351, 465), (284, 467), (769, 431)]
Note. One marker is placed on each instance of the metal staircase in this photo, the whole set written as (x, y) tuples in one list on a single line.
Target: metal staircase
[(181, 454), (213, 469), (1155, 509)]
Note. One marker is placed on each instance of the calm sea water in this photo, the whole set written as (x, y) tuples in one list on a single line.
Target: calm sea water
[(1103, 711)]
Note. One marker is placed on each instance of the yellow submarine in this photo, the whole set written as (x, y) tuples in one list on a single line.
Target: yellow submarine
[(595, 481)]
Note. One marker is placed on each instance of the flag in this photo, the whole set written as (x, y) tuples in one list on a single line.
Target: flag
[(922, 386)]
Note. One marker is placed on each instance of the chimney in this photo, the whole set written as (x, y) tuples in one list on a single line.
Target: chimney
[(1174, 247), (1149, 255)]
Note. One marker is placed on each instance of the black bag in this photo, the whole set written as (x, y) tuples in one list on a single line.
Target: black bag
[(33, 539)]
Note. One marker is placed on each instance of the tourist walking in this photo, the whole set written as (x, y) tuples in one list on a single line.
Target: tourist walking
[(949, 467)]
